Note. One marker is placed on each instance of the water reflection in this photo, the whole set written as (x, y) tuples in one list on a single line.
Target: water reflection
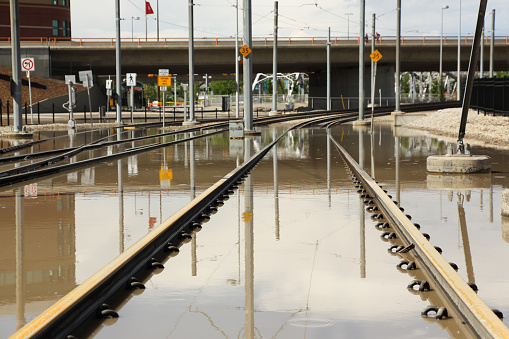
[(248, 217)]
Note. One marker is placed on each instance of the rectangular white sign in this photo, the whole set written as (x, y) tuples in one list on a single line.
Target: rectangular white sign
[(130, 79)]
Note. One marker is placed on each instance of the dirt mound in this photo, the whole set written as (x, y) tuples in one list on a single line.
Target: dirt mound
[(42, 88)]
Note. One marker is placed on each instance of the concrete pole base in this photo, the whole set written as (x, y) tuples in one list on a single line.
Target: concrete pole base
[(18, 135), (252, 133), (364, 122), (505, 203), (458, 164), (190, 123)]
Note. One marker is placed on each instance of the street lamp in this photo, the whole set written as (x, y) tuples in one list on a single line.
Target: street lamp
[(348, 27), (132, 26), (441, 43)]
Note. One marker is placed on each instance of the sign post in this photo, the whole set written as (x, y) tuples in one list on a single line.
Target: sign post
[(131, 82), (28, 65), (86, 78), (70, 80), (164, 80)]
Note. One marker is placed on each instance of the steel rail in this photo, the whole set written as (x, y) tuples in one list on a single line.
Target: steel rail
[(84, 302), (17, 178), (476, 316)]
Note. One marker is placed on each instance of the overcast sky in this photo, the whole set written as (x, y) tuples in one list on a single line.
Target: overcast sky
[(298, 18)]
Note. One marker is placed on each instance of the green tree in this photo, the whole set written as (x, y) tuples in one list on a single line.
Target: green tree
[(405, 83), (223, 87), (150, 92)]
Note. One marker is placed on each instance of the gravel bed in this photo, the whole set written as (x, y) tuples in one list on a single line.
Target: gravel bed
[(480, 130)]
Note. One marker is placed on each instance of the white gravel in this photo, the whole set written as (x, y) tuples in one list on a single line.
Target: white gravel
[(487, 130)]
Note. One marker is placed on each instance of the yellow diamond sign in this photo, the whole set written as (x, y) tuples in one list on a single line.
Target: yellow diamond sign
[(376, 56), (245, 50)]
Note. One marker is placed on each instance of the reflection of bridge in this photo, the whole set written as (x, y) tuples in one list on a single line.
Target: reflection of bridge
[(217, 55)]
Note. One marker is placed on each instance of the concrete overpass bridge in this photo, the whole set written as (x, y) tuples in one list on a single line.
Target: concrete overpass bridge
[(216, 56)]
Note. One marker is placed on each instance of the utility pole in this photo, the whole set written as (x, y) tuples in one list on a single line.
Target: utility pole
[(328, 72), (492, 42), (458, 86), (274, 62), (398, 55), (248, 68), (361, 60), (118, 74), (372, 62), (16, 66), (157, 20), (237, 76), (191, 63)]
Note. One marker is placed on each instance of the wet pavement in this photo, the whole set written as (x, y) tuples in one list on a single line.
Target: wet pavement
[(291, 254)]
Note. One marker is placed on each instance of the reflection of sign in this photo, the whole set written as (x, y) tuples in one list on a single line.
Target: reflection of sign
[(31, 190), (376, 56), (245, 50), (247, 216), (236, 128), (130, 79), (151, 222), (163, 81), (165, 174), (27, 64)]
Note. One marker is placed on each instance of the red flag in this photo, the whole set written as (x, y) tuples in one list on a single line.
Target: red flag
[(148, 8)]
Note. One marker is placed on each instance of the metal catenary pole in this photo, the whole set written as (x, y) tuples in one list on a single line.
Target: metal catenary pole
[(248, 68), (16, 66), (458, 86), (118, 74), (274, 60), (398, 55), (328, 72), (191, 61), (361, 60), (237, 76), (373, 18), (492, 42)]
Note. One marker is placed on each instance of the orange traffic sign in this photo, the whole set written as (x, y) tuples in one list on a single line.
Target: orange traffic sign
[(247, 216), (376, 56), (245, 50), (163, 81)]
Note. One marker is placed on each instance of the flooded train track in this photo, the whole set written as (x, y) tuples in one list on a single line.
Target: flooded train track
[(96, 299), (458, 300)]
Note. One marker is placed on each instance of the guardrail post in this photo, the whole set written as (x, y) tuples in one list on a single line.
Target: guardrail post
[(202, 113), (85, 114), (145, 113), (174, 112), (160, 119), (216, 113), (53, 111), (7, 108), (38, 114), (1, 122), (26, 113)]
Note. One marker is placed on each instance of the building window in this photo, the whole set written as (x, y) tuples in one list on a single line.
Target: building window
[(64, 28), (55, 27), (64, 2), (55, 2)]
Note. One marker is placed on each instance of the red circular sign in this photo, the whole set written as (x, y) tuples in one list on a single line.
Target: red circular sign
[(27, 64)]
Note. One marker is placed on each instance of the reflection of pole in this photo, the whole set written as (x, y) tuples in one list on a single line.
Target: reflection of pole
[(120, 198), (193, 195), (398, 184), (328, 167), (20, 273), (363, 240), (466, 242), (249, 248), (361, 149), (276, 186), (491, 204)]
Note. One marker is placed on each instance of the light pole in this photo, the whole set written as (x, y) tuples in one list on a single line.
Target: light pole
[(348, 27), (132, 26), (458, 86), (441, 43)]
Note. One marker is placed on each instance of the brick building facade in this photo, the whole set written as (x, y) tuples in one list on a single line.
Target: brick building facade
[(38, 18)]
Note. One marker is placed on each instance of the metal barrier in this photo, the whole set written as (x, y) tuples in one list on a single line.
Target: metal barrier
[(491, 95)]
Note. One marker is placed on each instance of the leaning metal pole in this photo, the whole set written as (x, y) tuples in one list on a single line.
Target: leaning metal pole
[(474, 56), (16, 66), (118, 64)]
